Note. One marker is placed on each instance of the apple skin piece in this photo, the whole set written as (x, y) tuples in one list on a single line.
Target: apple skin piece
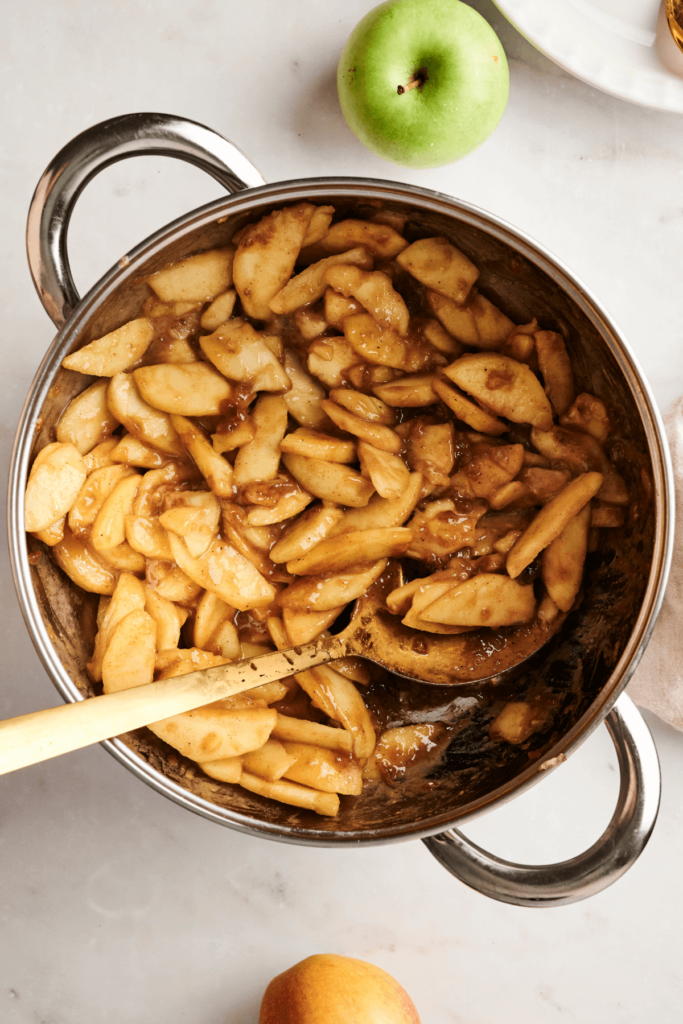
[(456, 56), (327, 988)]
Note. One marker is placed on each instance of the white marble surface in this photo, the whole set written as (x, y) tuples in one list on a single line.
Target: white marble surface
[(116, 904)]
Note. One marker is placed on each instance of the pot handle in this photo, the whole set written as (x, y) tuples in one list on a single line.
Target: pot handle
[(617, 849), (85, 156)]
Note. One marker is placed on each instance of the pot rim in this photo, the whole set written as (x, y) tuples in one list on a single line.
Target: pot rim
[(349, 188)]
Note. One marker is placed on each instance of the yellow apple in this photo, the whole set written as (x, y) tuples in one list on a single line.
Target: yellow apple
[(331, 989)]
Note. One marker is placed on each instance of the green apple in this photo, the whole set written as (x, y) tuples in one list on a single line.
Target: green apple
[(423, 82)]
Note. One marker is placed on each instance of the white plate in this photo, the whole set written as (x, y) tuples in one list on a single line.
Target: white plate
[(608, 43)]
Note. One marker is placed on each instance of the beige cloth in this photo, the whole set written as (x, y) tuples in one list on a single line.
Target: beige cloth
[(658, 680)]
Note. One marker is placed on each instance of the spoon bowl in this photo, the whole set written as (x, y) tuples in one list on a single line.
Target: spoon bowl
[(482, 655)]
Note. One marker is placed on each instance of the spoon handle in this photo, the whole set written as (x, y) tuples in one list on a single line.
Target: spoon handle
[(36, 737)]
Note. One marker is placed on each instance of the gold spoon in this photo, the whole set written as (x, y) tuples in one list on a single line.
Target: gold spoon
[(372, 634)]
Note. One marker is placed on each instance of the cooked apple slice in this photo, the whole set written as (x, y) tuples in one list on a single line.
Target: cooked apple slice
[(195, 520), (87, 421), (289, 505), (329, 771), (504, 387), (266, 255), (431, 451), (270, 761), (329, 480), (403, 747), (589, 414), (364, 406), (359, 547), (563, 559), (234, 434), (216, 470), (260, 458), (602, 514), (551, 520), (242, 354), (117, 351), (319, 225), (305, 533), (292, 793), (440, 266), (382, 512), (330, 358), (310, 323), (375, 344), (331, 590), (543, 484), (197, 278), (315, 445), (53, 535), (188, 389), (303, 400), (92, 495), (375, 292), (226, 573), (172, 663), (124, 558), (517, 721), (297, 730), (210, 613), (424, 595), (375, 434), (101, 454), (381, 240), (410, 392), (109, 527), (129, 596), (338, 307), (336, 696), (310, 284), (146, 535), (491, 467), (341, 701), (580, 453), (303, 627), (229, 769), (132, 451), (219, 311), (477, 323), (556, 368), (547, 611), (170, 582), (129, 657), (430, 330), (83, 565), (54, 483), (168, 617), (520, 344), (140, 419), (439, 529), (488, 599), (388, 473), (226, 642), (212, 733)]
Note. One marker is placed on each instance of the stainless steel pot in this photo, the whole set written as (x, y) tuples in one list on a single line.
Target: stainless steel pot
[(584, 670)]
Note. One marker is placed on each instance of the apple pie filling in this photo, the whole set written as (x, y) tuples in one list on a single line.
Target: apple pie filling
[(286, 414)]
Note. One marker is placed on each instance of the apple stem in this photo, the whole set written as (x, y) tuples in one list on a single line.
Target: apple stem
[(417, 80)]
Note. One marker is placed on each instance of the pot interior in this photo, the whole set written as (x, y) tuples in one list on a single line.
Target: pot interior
[(573, 676)]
